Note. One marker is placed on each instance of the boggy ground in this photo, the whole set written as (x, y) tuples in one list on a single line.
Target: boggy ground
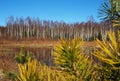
[(7, 61)]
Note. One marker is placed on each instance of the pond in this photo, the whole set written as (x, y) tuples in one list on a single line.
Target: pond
[(43, 54)]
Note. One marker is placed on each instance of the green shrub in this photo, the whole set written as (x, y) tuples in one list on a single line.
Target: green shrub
[(22, 57), (108, 54), (34, 71), (69, 58), (10, 74)]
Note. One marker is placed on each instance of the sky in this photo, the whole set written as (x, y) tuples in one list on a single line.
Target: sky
[(69, 11)]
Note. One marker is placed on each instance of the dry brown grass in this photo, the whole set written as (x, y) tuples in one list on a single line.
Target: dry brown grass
[(35, 43)]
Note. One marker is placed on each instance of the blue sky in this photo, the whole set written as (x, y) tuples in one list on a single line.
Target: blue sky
[(69, 11)]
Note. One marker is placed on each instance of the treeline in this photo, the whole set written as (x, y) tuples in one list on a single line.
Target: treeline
[(53, 30)]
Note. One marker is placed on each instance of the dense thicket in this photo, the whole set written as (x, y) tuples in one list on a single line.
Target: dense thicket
[(53, 30)]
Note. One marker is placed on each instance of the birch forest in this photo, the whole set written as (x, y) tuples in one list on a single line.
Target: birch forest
[(28, 28)]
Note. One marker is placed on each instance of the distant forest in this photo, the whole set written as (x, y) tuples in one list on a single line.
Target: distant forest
[(20, 28)]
